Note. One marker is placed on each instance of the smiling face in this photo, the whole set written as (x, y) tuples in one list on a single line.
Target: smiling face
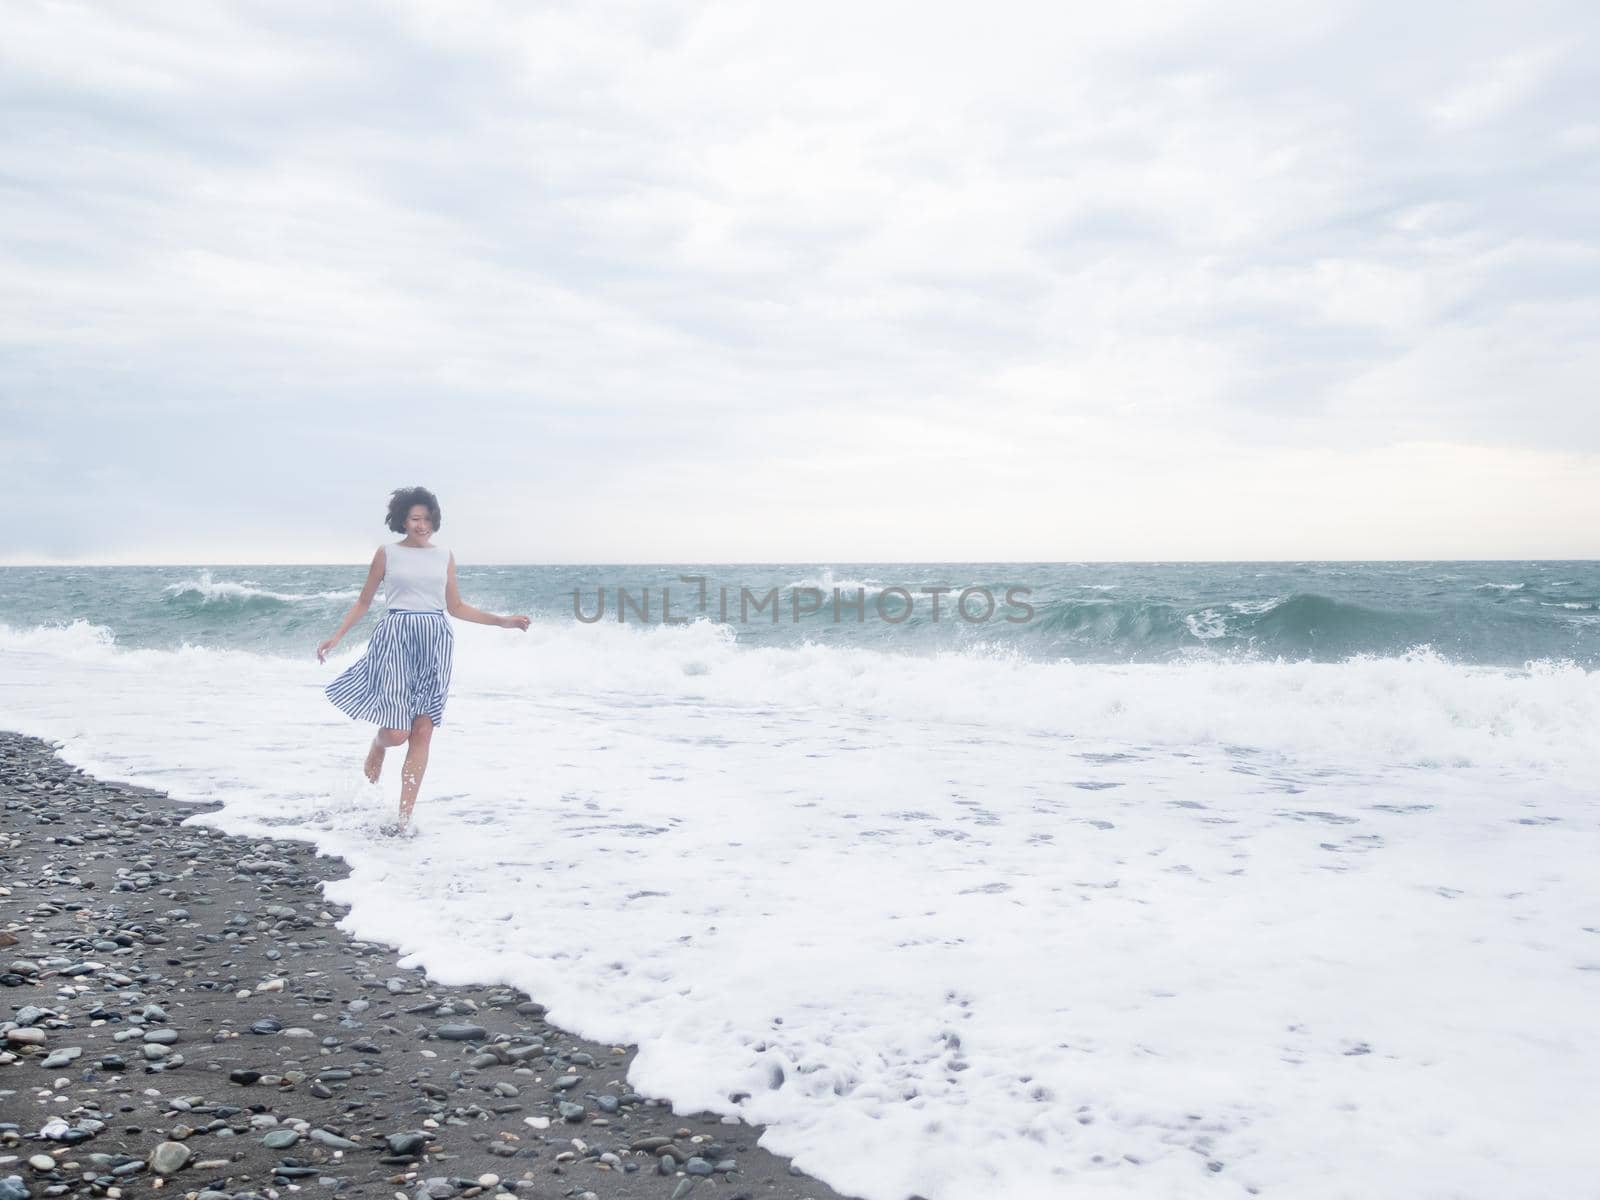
[(419, 524)]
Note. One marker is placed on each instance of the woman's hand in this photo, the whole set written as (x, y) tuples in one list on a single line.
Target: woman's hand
[(516, 622), (326, 647)]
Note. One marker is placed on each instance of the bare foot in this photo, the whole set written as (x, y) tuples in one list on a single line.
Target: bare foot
[(374, 764)]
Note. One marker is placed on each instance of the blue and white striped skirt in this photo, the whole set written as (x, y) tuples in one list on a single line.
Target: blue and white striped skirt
[(405, 672)]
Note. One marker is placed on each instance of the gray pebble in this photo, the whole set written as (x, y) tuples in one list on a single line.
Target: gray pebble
[(169, 1158), (407, 1144), (332, 1140)]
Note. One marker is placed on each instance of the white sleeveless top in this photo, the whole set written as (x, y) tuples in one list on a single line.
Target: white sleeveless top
[(414, 576)]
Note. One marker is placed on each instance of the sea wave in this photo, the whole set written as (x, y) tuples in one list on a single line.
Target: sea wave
[(1417, 708), (827, 581), (1149, 616), (69, 639), (205, 590), (1299, 626)]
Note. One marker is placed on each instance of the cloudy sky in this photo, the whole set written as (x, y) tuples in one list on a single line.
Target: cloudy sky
[(826, 281)]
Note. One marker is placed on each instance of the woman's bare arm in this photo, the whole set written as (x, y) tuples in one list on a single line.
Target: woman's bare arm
[(359, 608), (461, 610)]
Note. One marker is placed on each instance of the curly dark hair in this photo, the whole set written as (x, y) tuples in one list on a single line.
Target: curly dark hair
[(401, 502)]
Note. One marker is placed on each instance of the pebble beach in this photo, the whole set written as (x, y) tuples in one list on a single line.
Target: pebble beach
[(182, 1014)]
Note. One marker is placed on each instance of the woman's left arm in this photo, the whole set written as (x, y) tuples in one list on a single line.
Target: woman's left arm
[(463, 611)]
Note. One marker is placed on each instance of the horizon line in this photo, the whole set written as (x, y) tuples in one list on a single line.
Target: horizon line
[(803, 562)]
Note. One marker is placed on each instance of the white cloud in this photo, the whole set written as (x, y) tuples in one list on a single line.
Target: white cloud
[(674, 251), (1492, 90)]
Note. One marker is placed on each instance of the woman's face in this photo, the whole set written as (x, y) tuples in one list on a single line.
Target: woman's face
[(419, 525)]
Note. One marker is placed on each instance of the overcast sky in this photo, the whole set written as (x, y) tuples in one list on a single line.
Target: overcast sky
[(818, 282)]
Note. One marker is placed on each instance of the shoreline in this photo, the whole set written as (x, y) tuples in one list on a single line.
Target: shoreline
[(181, 1013)]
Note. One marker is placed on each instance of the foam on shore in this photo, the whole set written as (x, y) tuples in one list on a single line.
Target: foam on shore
[(961, 923)]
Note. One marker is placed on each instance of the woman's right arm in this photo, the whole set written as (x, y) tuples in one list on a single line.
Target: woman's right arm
[(359, 608)]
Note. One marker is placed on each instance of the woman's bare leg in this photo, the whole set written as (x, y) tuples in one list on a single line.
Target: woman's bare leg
[(373, 767), (416, 766)]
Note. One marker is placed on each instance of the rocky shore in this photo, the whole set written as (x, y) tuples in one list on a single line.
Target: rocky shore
[(179, 1013)]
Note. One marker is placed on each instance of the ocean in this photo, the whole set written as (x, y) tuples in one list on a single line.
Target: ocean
[(1167, 880)]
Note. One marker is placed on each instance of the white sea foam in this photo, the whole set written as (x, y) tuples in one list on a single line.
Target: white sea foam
[(967, 925), (827, 582), (76, 640), (1211, 623), (211, 590), (1251, 608)]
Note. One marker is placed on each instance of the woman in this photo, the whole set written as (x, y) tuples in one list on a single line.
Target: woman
[(402, 681)]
